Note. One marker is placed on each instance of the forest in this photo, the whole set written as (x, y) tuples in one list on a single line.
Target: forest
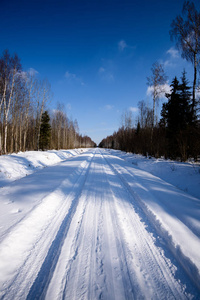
[(26, 123), (176, 134)]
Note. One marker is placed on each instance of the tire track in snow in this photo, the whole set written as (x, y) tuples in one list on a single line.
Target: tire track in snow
[(25, 181), (135, 257), (39, 287), (82, 250), (149, 220), (89, 257), (35, 250), (108, 253)]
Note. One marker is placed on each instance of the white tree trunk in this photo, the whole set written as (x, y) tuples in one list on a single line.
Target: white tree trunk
[(6, 112)]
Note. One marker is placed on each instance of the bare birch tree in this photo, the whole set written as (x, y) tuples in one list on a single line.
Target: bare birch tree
[(30, 84), (9, 66), (156, 83), (186, 31)]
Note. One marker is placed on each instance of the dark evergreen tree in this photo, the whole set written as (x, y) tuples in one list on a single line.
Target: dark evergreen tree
[(163, 120), (45, 131), (173, 106), (185, 102), (173, 118), (176, 118)]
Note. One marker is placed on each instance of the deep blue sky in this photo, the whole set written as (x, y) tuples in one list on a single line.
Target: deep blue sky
[(95, 53)]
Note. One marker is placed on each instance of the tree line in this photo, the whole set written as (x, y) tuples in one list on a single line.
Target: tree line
[(23, 106), (177, 133)]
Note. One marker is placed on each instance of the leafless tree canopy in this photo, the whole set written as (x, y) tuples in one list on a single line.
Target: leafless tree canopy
[(156, 81), (185, 30)]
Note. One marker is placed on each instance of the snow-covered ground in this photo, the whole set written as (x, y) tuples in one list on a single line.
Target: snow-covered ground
[(185, 176), (98, 224), (21, 164)]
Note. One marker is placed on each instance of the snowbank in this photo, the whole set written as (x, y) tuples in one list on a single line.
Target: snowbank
[(18, 165), (185, 176)]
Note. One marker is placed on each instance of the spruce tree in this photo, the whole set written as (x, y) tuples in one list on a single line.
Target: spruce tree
[(185, 104), (176, 118), (172, 115), (45, 131)]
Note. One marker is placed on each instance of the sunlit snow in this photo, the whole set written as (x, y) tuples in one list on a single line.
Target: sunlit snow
[(98, 224)]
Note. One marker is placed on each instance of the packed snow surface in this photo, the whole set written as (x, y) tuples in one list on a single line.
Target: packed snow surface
[(98, 224)]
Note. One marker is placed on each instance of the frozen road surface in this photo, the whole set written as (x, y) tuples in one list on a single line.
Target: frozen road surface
[(97, 227)]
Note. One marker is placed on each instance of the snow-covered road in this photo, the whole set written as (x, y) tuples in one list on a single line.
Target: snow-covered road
[(96, 227)]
